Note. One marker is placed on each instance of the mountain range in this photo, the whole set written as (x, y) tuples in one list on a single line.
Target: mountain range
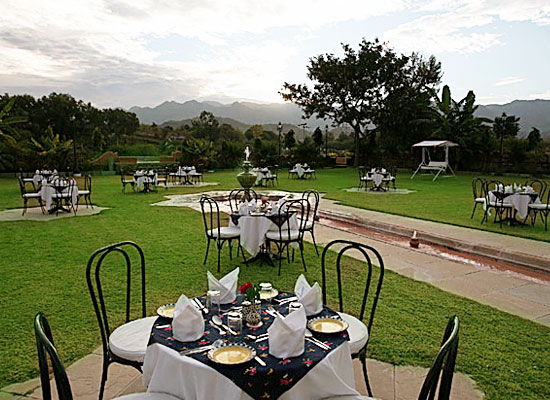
[(243, 114)]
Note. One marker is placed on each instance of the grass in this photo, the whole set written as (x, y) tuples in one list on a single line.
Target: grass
[(43, 269)]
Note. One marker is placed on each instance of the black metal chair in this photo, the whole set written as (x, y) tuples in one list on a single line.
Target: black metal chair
[(542, 209), (127, 179), (46, 349), (478, 190), (214, 231), (126, 344), (538, 186), (312, 196), (162, 178), (494, 199), (63, 196), (26, 196), (359, 331), (85, 189), (285, 235), (236, 196), (442, 370)]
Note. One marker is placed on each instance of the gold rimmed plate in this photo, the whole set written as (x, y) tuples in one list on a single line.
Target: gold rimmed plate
[(268, 295), (232, 354), (327, 325), (166, 311)]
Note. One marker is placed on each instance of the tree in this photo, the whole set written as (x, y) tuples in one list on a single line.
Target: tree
[(533, 139), (505, 126), (51, 150), (317, 138), (10, 139), (289, 141), (354, 89)]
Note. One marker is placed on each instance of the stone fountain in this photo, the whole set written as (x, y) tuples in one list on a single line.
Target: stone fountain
[(246, 178)]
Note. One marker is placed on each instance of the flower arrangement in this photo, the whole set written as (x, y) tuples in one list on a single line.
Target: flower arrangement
[(264, 200), (251, 291)]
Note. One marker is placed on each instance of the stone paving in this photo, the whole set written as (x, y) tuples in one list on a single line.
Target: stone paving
[(35, 214)]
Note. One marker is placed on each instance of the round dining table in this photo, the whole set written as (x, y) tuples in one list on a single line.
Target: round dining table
[(317, 373)]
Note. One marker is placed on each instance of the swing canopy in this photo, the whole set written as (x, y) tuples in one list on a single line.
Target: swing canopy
[(434, 167), (435, 143)]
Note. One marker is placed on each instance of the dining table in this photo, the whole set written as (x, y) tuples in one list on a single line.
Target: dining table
[(146, 181), (323, 370), (58, 192), (519, 200)]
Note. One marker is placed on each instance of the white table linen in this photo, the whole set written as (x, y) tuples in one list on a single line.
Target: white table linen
[(299, 170), (519, 201), (164, 370), (47, 192), (253, 230)]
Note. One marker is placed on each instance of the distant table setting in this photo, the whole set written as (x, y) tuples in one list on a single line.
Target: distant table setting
[(41, 175), (302, 170), (261, 174), (146, 181), (229, 346), (60, 192), (518, 196), (380, 176), (183, 172)]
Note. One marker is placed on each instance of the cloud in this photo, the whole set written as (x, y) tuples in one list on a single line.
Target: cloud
[(543, 95), (509, 81)]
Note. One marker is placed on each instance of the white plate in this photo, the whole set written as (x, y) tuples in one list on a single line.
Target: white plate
[(327, 325), (232, 354), (268, 295), (166, 311)]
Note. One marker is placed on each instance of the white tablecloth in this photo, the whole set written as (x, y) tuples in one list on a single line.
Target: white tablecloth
[(377, 178), (47, 192), (253, 230), (164, 370), (142, 179), (520, 202), (299, 170), (260, 174)]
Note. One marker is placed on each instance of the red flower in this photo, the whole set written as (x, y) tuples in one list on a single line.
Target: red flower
[(245, 287), (264, 200)]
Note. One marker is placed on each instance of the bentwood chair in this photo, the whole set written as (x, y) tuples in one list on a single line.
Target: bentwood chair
[(287, 233), (214, 231), (85, 189), (494, 199), (359, 330), (127, 179), (236, 196), (364, 177), (538, 186), (126, 344), (478, 190), (542, 209), (26, 196), (312, 197), (46, 349), (162, 178)]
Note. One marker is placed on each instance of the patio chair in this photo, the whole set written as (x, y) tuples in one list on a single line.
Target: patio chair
[(312, 197), (478, 190), (46, 349), (126, 344), (63, 196), (286, 234), (364, 177), (236, 196), (271, 176), (292, 173), (127, 179), (214, 231), (496, 202), (84, 185), (162, 178), (359, 331), (538, 186), (26, 196), (542, 209)]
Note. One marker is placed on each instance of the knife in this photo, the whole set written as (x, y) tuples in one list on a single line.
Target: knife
[(260, 361), (318, 343), (287, 300), (196, 350), (199, 304)]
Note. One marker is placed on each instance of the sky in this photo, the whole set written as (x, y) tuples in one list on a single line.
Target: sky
[(144, 52)]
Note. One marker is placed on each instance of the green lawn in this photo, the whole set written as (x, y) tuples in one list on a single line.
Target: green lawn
[(43, 266)]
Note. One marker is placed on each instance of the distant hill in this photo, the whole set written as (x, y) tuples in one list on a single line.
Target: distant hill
[(245, 112), (531, 112)]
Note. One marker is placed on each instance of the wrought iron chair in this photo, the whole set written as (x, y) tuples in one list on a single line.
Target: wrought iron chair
[(312, 196), (63, 196), (538, 186), (126, 344), (364, 177), (478, 190), (85, 189), (359, 331), (214, 231), (162, 178), (236, 196), (127, 179), (492, 188), (542, 209), (285, 235), (46, 349), (26, 196)]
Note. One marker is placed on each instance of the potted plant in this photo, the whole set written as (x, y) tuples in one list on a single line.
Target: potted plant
[(252, 305)]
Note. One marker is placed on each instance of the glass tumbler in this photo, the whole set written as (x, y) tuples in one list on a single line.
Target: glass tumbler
[(235, 321), (213, 301)]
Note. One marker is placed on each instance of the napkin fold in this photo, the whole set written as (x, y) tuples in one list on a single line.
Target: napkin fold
[(226, 285), (309, 296), (508, 189), (188, 324), (287, 335), (252, 206), (243, 208)]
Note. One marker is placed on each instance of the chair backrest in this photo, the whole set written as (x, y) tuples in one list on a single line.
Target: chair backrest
[(210, 215), (362, 171), (284, 214), (46, 348), (238, 195), (365, 250), (22, 187), (96, 288), (88, 183), (478, 187), (491, 186), (443, 365), (538, 186), (272, 170), (312, 197)]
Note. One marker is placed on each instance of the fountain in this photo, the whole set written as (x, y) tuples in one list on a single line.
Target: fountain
[(246, 178)]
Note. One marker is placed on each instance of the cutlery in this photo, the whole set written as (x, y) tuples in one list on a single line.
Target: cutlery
[(200, 305), (320, 345), (312, 339), (163, 326), (254, 337), (222, 332), (287, 300), (261, 338), (196, 350), (218, 321), (260, 361), (274, 312)]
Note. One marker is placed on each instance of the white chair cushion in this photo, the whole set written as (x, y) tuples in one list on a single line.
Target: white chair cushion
[(499, 204), (128, 181), (129, 341), (480, 200), (147, 396), (83, 192), (358, 332), (541, 206), (226, 232), (274, 235), (308, 224), (31, 195)]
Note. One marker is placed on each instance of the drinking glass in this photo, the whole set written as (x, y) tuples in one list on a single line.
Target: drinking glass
[(235, 321), (213, 301)]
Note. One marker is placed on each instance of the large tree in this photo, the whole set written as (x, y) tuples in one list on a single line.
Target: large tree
[(354, 89), (505, 126)]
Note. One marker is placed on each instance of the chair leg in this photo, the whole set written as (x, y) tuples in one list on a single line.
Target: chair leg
[(280, 258), (207, 248), (302, 254), (103, 380), (219, 252), (474, 210), (24, 206), (314, 244), (366, 376), (230, 244)]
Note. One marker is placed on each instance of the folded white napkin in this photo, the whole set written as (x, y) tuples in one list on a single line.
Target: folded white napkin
[(252, 206), (508, 189), (274, 209), (243, 208), (36, 172), (529, 189), (287, 335), (309, 296), (500, 187), (188, 324), (227, 285), (55, 172)]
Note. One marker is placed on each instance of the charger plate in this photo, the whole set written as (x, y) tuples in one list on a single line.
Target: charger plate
[(268, 295), (166, 310), (232, 354), (327, 325)]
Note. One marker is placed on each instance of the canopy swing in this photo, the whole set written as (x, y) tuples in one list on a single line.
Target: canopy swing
[(427, 164)]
